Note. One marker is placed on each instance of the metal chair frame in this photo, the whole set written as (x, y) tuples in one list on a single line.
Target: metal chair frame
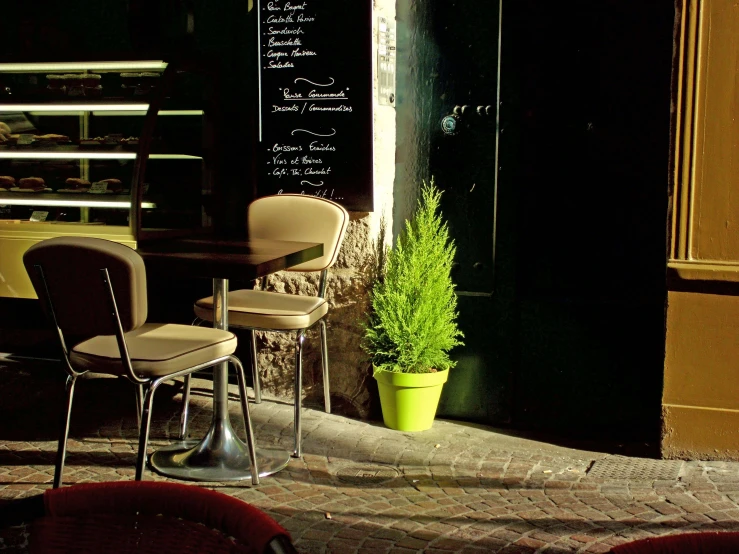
[(298, 387), (145, 388)]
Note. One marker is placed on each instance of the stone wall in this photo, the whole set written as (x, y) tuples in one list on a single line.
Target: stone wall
[(347, 290)]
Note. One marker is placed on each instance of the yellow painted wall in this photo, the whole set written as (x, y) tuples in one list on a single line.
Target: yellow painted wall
[(700, 402)]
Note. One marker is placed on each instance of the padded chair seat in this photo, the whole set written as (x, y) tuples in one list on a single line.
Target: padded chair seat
[(155, 350), (267, 310)]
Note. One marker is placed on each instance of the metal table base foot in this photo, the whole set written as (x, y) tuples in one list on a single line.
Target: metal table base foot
[(215, 460)]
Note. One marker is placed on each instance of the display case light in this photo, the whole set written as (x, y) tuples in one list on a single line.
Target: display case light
[(111, 111), (79, 155), (83, 66), (73, 108), (102, 203), (161, 112)]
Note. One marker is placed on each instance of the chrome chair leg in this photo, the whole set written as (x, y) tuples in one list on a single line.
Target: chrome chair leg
[(185, 407), (247, 420), (255, 368), (139, 404), (186, 393), (61, 452), (144, 431), (298, 452), (324, 363)]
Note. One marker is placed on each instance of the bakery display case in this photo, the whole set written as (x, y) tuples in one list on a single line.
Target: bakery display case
[(115, 150)]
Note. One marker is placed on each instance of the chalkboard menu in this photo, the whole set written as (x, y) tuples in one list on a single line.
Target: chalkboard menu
[(315, 126)]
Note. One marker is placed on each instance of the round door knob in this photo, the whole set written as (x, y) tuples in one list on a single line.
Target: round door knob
[(465, 109), (489, 110), (450, 124), (480, 110)]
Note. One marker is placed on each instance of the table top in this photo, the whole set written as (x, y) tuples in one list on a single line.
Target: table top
[(226, 259)]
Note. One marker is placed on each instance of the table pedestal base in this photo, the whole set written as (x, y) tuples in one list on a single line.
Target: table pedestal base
[(219, 456)]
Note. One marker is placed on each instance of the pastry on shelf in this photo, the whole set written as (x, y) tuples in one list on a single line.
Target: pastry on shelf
[(107, 142), (31, 184), (52, 137), (6, 182), (90, 80), (26, 139), (89, 143), (73, 184), (106, 186), (131, 142)]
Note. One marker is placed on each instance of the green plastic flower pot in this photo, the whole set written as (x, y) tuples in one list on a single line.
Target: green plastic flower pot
[(409, 400)]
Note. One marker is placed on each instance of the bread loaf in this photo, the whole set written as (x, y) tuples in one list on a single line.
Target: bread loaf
[(53, 137), (32, 183)]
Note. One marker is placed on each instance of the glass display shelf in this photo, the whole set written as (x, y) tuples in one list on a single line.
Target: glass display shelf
[(39, 67), (75, 153), (107, 109), (69, 200), (113, 149)]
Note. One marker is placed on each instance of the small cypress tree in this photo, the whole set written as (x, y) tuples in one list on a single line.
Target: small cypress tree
[(413, 324)]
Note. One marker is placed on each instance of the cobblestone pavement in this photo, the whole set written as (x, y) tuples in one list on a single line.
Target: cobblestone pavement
[(362, 488)]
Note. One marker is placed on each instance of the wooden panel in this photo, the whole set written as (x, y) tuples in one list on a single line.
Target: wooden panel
[(715, 203), (702, 351)]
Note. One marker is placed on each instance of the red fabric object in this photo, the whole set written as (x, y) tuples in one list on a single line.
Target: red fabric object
[(113, 534), (711, 542), (90, 512)]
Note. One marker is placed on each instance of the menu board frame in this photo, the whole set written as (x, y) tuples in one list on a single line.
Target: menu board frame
[(316, 100)]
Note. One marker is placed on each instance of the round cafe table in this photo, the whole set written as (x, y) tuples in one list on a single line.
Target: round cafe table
[(221, 455)]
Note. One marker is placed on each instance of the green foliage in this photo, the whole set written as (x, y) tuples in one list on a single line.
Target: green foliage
[(414, 308)]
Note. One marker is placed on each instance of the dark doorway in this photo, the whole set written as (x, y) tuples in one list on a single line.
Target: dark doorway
[(571, 340)]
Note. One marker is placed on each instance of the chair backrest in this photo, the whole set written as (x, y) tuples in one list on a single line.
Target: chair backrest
[(300, 218), (72, 274)]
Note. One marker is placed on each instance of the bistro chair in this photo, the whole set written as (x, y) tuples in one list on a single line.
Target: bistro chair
[(141, 517), (94, 292), (290, 217)]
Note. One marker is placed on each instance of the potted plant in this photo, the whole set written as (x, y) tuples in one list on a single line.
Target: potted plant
[(413, 321)]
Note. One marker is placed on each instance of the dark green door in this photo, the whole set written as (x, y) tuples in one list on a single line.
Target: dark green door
[(558, 211), (463, 162)]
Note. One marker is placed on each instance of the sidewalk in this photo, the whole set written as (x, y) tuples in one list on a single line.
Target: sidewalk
[(362, 488)]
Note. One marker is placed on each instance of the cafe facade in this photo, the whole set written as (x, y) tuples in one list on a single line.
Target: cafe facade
[(581, 149)]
